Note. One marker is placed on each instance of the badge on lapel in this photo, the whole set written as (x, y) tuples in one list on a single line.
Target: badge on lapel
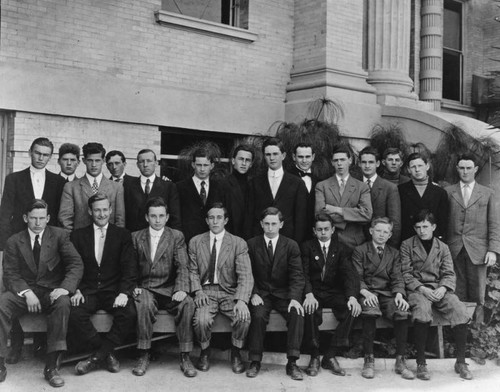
[(316, 258)]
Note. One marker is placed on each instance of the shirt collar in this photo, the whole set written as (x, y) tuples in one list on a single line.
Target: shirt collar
[(91, 179), (303, 171), (275, 173), (151, 178), (273, 240), (471, 185), (327, 243), (197, 181), (219, 236), (34, 170), (156, 233), (122, 177), (98, 228), (376, 246), (372, 178), (33, 235), (71, 177), (340, 178)]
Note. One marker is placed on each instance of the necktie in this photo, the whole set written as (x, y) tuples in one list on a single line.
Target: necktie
[(36, 249), (147, 188), (211, 267), (466, 194), (323, 272), (273, 185), (95, 186), (119, 180), (303, 173), (270, 250), (380, 251), (369, 183), (102, 238), (203, 193), (342, 187)]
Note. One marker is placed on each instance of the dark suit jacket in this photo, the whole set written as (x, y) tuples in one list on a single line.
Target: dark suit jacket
[(193, 211), (382, 276), (283, 276), (18, 192), (340, 275), (118, 270), (73, 213), (168, 272), (434, 199), (234, 271), (60, 264), (236, 203), (386, 202), (135, 203), (311, 199), (432, 270), (291, 200)]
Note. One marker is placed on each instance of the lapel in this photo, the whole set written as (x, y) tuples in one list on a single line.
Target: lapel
[(318, 257), (225, 250), (146, 245), (235, 189), (105, 185), (334, 189), (280, 248), (48, 243), (284, 186), (194, 192), (456, 193), (380, 264), (155, 187), (85, 185), (376, 189), (266, 187), (137, 188), (350, 188), (27, 252), (413, 194), (89, 240), (29, 186), (475, 195), (163, 244), (419, 250), (435, 249), (49, 185), (107, 242)]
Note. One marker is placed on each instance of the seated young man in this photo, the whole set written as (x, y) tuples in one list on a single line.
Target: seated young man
[(163, 284), (383, 289), (430, 281), (331, 282)]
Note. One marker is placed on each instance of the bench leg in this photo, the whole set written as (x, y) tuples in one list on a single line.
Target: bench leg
[(440, 341)]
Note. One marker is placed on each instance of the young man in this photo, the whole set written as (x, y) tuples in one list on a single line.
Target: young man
[(41, 269), (392, 162), (137, 191), (383, 289), (383, 194), (421, 193), (303, 157), (221, 279), (109, 278), (279, 189), (73, 213), (116, 163), (330, 282), (196, 193), (69, 159), (163, 283), (236, 189), (345, 199), (473, 233), (279, 285), (430, 281)]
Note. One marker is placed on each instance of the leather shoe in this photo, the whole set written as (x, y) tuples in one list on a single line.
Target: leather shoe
[(3, 373), (368, 367), (422, 372), (86, 366), (203, 364), (253, 369), (142, 365), (401, 368), (333, 365), (14, 355), (237, 364), (187, 366), (112, 364), (462, 369), (53, 377), (313, 368), (294, 371)]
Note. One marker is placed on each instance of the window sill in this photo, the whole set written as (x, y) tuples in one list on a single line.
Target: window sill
[(205, 27), (455, 105)]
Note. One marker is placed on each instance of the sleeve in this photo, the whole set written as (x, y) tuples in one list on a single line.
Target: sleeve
[(119, 206), (73, 264), (7, 210), (446, 271), (493, 225), (194, 274), (305, 255), (411, 283), (352, 281), (357, 262), (363, 211), (181, 263), (320, 201), (295, 274), (129, 264), (396, 276), (67, 208), (243, 272), (12, 276)]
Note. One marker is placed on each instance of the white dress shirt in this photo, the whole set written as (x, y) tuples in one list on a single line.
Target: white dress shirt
[(91, 179), (274, 241), (218, 244), (275, 177), (325, 244), (71, 177), (145, 179), (197, 184), (471, 188), (38, 181), (99, 239), (155, 236), (307, 179), (372, 180)]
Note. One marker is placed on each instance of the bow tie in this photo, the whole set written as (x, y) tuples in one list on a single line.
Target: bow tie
[(303, 173)]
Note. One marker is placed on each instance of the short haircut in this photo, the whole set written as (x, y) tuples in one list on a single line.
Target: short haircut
[(97, 197), (69, 148), (44, 142), (145, 151), (342, 149), (392, 151), (467, 157), (93, 148), (273, 141), (271, 211), (112, 153), (424, 215), (217, 205), (323, 217), (303, 145), (243, 147), (36, 204), (370, 151), (156, 202), (202, 153), (382, 219), (416, 155)]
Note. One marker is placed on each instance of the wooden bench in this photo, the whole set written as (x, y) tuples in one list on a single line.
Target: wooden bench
[(165, 323)]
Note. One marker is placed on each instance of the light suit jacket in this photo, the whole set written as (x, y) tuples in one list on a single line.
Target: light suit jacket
[(168, 272), (233, 268), (356, 203), (475, 227), (73, 213)]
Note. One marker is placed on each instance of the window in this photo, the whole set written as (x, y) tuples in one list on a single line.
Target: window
[(452, 50), (229, 12)]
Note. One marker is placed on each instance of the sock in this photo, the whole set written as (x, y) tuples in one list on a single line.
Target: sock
[(292, 360), (369, 327), (51, 360), (421, 330), (401, 335), (235, 351), (460, 332), (107, 347)]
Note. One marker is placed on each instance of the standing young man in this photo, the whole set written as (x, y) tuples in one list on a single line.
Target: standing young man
[(69, 159), (116, 163), (392, 162)]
